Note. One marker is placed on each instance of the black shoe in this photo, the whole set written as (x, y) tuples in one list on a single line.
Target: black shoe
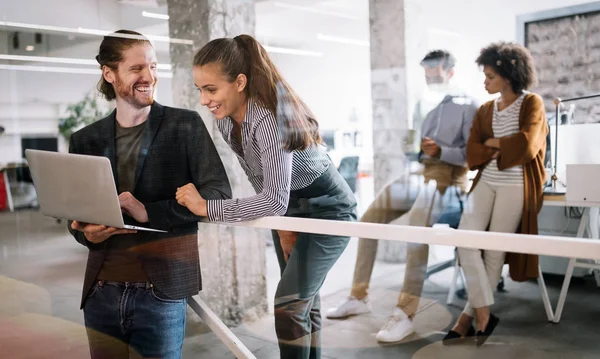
[(452, 337), (489, 328)]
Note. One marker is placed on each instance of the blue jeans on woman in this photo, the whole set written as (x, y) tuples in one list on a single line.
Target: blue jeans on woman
[(297, 301), (126, 320)]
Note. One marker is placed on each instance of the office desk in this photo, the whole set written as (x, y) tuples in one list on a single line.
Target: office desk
[(13, 172), (6, 189), (589, 223)]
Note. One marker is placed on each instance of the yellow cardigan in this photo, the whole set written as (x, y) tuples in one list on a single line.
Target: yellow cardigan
[(526, 148)]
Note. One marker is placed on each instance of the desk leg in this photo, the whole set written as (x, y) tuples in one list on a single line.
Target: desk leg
[(9, 200), (567, 281), (593, 232), (457, 269), (585, 219), (564, 290), (593, 222), (545, 297)]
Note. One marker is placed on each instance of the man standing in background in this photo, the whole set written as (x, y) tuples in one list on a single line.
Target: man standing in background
[(444, 131)]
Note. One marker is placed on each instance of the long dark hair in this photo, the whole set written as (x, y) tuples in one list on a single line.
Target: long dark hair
[(244, 55), (111, 53)]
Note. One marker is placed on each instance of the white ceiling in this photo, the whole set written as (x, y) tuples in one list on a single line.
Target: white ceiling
[(279, 23), (283, 23), (297, 23)]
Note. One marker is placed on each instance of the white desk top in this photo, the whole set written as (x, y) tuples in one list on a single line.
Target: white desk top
[(561, 201), (12, 165)]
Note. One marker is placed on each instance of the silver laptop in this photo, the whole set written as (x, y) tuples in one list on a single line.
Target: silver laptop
[(77, 187), (582, 183)]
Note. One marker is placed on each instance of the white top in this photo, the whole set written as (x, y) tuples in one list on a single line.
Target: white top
[(505, 123)]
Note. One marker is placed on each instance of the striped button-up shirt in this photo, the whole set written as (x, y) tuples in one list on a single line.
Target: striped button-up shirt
[(272, 171)]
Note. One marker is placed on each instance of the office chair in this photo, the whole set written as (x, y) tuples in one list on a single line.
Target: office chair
[(348, 168)]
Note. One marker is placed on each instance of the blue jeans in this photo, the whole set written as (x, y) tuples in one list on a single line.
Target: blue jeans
[(126, 320)]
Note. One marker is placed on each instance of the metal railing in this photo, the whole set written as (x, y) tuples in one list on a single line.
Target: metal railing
[(568, 247)]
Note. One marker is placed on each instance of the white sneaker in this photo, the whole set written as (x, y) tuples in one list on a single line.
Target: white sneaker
[(351, 306), (397, 328)]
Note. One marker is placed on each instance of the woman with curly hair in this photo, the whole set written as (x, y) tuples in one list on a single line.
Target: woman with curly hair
[(506, 146)]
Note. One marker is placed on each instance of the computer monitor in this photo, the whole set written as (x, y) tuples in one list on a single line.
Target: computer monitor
[(38, 143), (328, 137)]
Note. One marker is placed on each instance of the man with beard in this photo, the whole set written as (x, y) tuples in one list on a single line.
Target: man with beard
[(136, 284)]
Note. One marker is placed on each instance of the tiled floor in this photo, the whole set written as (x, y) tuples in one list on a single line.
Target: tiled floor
[(38, 251)]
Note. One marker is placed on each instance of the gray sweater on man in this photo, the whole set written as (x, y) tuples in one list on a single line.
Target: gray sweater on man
[(449, 125)]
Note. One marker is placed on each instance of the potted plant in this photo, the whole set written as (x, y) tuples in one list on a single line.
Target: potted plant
[(79, 115)]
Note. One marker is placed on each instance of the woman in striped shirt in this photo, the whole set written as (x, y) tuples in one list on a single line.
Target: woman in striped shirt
[(507, 145), (277, 142)]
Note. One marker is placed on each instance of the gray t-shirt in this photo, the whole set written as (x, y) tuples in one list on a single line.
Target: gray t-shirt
[(128, 140), (123, 265)]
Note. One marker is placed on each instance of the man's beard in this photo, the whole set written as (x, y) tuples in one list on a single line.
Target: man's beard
[(127, 93)]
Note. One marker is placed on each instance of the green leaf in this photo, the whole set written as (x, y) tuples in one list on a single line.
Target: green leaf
[(80, 114)]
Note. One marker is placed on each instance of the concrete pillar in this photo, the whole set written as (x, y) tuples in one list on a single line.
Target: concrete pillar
[(390, 102), (232, 259)]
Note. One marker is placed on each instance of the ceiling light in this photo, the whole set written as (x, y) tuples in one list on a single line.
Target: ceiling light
[(37, 26), (71, 70), (155, 15), (342, 40), (58, 60), (170, 39), (313, 10), (145, 3), (68, 70), (81, 30), (29, 48), (129, 36), (284, 50), (62, 60)]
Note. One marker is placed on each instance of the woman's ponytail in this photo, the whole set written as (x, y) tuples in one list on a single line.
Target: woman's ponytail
[(244, 55)]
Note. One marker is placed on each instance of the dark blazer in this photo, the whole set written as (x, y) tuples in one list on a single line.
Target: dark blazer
[(176, 149)]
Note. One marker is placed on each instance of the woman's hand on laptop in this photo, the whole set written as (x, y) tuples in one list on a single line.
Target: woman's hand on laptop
[(97, 233), (132, 207), (189, 197)]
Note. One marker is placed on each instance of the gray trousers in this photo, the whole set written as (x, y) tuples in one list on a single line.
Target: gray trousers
[(426, 210), (297, 301), (498, 207)]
